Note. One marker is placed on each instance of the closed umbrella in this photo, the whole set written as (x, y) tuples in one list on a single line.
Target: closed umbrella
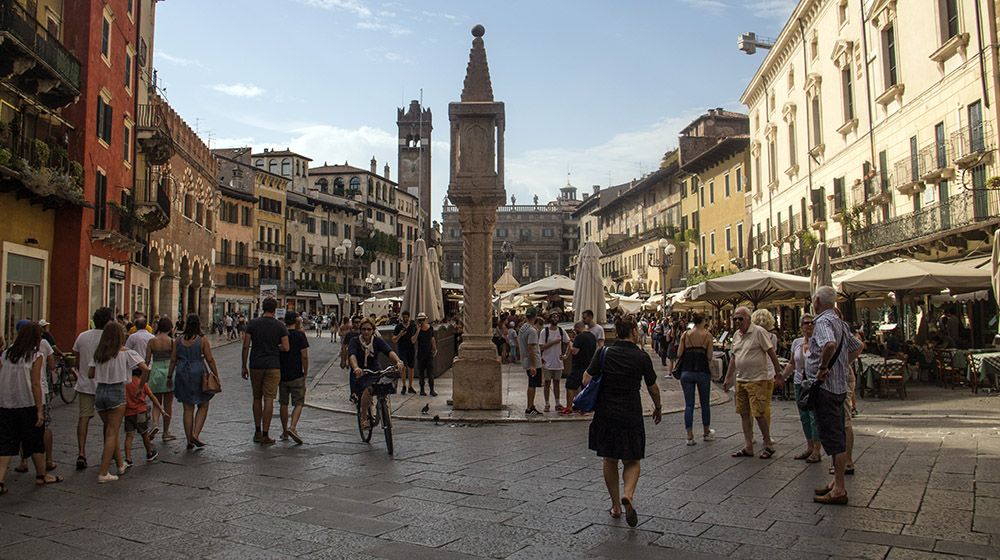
[(821, 273), (419, 294), (434, 264), (588, 289), (996, 268)]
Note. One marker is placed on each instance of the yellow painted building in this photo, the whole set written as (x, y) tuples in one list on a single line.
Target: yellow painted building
[(269, 251)]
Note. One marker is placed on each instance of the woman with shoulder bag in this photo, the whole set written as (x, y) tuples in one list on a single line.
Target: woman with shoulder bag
[(693, 354), (191, 353)]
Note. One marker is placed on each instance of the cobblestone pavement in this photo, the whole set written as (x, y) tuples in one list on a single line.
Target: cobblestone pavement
[(927, 486)]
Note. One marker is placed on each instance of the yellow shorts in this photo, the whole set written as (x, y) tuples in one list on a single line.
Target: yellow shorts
[(754, 397), (265, 383), (86, 405)]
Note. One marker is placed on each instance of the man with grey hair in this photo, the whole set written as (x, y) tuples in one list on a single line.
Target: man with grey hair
[(753, 353), (827, 365)]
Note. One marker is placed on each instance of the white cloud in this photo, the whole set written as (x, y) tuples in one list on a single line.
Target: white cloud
[(393, 29), (352, 6), (368, 20), (161, 55), (776, 9), (248, 91), (711, 6)]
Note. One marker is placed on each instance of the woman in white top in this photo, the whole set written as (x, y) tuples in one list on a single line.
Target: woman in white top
[(797, 367), (22, 405), (112, 369)]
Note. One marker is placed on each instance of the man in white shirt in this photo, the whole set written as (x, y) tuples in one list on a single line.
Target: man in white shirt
[(140, 338), (552, 341), (84, 347), (594, 328)]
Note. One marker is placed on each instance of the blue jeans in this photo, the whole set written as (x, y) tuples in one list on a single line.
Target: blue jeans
[(690, 380)]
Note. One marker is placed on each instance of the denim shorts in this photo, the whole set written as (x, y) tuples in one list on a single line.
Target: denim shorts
[(109, 396)]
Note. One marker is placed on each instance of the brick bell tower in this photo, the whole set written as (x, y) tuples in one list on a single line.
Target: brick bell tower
[(415, 126)]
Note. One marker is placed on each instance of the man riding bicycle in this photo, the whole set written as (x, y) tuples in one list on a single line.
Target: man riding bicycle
[(363, 354)]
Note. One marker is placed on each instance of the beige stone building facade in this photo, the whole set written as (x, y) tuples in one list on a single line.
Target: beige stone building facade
[(235, 273), (874, 124)]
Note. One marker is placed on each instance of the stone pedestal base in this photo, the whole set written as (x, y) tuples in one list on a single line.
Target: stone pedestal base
[(477, 384)]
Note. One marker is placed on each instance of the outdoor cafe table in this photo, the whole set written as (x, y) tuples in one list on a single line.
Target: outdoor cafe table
[(985, 361), (872, 368)]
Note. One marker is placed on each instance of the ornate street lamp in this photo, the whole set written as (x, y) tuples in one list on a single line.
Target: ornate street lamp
[(662, 257)]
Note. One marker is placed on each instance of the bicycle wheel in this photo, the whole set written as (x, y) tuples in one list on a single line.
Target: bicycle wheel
[(366, 433), (67, 386), (384, 410)]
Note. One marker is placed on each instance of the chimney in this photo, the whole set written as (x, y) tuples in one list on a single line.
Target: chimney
[(387, 172), (586, 196), (597, 189), (374, 165)]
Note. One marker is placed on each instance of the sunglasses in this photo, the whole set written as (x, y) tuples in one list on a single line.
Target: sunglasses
[(806, 323), (739, 319)]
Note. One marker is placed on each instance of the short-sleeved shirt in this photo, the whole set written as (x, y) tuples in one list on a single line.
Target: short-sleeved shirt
[(15, 381), (135, 396), (552, 356), (138, 341), (750, 350), (827, 328), (85, 345), (799, 357), (370, 361), (291, 361), (117, 369), (597, 331), (526, 336), (586, 345), (405, 344), (425, 344), (265, 342)]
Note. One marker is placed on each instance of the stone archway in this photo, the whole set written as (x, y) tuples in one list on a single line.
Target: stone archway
[(184, 278), (169, 287)]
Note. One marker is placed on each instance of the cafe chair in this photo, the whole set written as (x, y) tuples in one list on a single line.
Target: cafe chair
[(948, 374), (893, 378)]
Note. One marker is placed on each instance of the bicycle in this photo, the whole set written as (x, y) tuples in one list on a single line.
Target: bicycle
[(380, 410), (63, 379)]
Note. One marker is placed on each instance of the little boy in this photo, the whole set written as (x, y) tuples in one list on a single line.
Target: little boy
[(136, 417)]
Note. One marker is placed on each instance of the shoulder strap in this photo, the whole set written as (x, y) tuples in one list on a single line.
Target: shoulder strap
[(836, 353)]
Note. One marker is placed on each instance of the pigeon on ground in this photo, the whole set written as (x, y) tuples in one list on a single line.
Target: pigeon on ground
[(436, 419), (426, 408)]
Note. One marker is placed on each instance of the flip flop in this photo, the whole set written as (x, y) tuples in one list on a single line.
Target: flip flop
[(614, 514), (81, 463), (822, 491), (631, 517), (20, 469), (767, 453), (802, 456), (831, 500), (814, 459), (743, 453), (41, 480)]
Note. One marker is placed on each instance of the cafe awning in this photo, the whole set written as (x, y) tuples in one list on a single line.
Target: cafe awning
[(328, 299)]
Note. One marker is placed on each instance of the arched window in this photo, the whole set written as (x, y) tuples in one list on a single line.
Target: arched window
[(297, 171), (286, 168), (272, 166), (371, 187), (323, 185), (259, 163), (338, 186), (355, 185)]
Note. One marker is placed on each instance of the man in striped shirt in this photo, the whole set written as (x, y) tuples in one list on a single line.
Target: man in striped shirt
[(828, 364)]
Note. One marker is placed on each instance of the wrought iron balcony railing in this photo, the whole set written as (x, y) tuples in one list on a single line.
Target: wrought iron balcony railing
[(956, 212)]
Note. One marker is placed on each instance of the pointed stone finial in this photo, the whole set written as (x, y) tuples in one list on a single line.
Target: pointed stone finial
[(478, 86)]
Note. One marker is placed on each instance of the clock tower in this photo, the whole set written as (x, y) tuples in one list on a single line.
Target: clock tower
[(415, 126)]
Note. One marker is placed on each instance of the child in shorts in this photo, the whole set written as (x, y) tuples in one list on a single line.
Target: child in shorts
[(137, 416)]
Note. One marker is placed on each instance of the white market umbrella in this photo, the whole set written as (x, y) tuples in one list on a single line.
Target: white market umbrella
[(588, 289), (821, 273), (910, 276), (555, 284), (419, 294), (753, 285), (435, 266), (628, 304)]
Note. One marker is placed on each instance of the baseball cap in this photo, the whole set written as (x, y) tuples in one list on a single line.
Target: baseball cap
[(421, 315), (531, 313), (43, 323), (291, 317), (21, 324)]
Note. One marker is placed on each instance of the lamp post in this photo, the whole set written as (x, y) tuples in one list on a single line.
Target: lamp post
[(662, 257), (343, 254)]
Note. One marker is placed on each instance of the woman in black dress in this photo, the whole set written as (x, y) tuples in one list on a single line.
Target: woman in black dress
[(617, 432)]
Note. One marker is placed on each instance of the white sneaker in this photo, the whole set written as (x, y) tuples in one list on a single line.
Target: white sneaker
[(710, 436), (122, 468), (106, 478), (691, 441)]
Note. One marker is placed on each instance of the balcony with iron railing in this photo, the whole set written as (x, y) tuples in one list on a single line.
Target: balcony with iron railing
[(152, 203), (269, 247), (970, 145), (620, 242), (933, 163), (115, 226), (237, 280), (959, 211), (794, 260), (235, 260), (906, 176), (39, 64), (153, 135)]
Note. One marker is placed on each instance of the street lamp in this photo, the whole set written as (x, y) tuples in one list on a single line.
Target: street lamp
[(662, 257)]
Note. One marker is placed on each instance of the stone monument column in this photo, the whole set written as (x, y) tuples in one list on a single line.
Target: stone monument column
[(476, 188)]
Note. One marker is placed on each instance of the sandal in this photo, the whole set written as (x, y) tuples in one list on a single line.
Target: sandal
[(81, 463), (631, 517), (20, 469), (44, 480), (615, 514), (802, 456), (814, 459), (743, 453), (767, 453), (847, 471), (3, 488)]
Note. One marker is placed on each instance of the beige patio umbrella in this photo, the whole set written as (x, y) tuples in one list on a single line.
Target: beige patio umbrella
[(753, 285), (821, 273), (588, 289), (419, 294), (435, 266), (995, 260), (911, 276), (506, 282)]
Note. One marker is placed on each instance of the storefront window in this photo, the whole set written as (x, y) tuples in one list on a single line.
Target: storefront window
[(96, 287), (22, 291)]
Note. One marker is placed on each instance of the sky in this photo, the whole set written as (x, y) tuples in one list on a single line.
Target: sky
[(595, 91)]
